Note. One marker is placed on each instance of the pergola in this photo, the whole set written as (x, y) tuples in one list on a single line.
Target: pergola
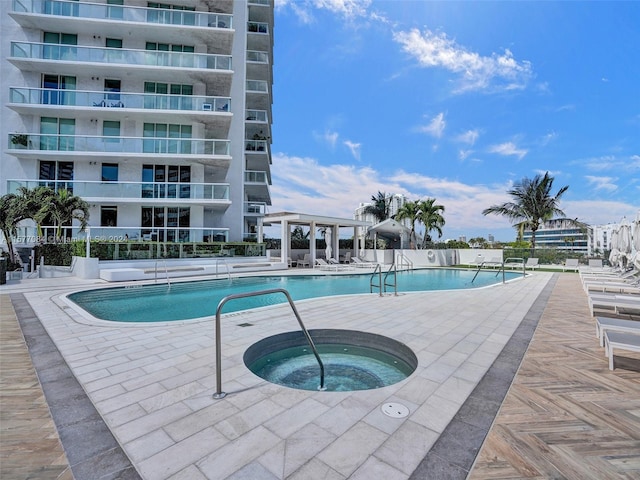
[(287, 219)]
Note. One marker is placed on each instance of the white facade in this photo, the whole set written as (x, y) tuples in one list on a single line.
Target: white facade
[(158, 115), (395, 203)]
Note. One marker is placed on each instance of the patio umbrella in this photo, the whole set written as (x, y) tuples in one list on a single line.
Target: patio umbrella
[(625, 241), (635, 234), (327, 241), (614, 255)]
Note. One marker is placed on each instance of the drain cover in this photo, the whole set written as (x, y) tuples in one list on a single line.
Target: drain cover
[(395, 410)]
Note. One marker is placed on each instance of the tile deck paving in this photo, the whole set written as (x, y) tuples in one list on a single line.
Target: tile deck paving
[(152, 386)]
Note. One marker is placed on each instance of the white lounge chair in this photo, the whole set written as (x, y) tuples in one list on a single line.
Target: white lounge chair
[(305, 262), (532, 263), (361, 263), (571, 264), (606, 324), (620, 304), (321, 264), (620, 341)]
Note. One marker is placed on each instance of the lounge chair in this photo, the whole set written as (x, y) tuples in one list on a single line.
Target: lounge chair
[(570, 264), (361, 263), (618, 303), (532, 263), (605, 324), (322, 264), (620, 341), (493, 262)]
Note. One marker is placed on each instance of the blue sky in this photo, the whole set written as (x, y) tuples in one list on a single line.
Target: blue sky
[(456, 101)]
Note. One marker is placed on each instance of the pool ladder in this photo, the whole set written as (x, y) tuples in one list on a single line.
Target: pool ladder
[(166, 273), (510, 261), (219, 393), (382, 282)]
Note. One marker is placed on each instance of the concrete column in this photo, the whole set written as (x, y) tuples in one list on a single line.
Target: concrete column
[(285, 241), (312, 243)]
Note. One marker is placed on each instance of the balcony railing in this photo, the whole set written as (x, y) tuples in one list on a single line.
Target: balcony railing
[(260, 2), (257, 86), (258, 57), (256, 115), (254, 176), (85, 98), (130, 190), (255, 208), (257, 27), (122, 56), (116, 144), (121, 13), (255, 145)]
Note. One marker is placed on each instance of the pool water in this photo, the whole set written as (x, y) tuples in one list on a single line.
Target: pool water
[(197, 299), (347, 368)]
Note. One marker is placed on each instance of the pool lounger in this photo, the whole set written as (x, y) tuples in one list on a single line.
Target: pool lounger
[(620, 341), (620, 304), (606, 324)]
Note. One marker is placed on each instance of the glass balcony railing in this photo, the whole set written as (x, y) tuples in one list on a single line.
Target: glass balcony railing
[(254, 176), (257, 27), (255, 145), (116, 144), (258, 57), (83, 98), (257, 86), (260, 2), (256, 115), (121, 13), (130, 190), (154, 58), (255, 208)]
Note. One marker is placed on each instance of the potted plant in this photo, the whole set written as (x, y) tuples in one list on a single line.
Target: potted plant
[(19, 139)]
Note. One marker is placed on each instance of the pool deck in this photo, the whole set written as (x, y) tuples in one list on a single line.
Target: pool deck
[(132, 401)]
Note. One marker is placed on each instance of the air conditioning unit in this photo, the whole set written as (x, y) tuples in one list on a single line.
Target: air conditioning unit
[(207, 107)]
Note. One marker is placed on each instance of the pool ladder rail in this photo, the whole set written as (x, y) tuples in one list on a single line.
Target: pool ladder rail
[(382, 281), (511, 261), (219, 393)]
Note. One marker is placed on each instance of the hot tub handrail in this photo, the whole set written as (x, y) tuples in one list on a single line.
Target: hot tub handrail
[(219, 393)]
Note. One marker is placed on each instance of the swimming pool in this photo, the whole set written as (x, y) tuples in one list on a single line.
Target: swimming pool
[(189, 300)]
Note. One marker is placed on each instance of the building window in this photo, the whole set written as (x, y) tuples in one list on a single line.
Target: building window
[(57, 46), (171, 60), (168, 96), (56, 175), (54, 87), (169, 224), (166, 138), (57, 133), (111, 128), (175, 14), (166, 181), (108, 216), (115, 11), (109, 172)]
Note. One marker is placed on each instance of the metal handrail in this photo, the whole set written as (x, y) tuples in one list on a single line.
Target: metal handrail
[(166, 272), (226, 265), (377, 270), (404, 260), (395, 279), (219, 393), (520, 260), (382, 283)]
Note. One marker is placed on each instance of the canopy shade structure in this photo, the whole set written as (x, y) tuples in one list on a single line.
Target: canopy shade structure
[(392, 231), (332, 224)]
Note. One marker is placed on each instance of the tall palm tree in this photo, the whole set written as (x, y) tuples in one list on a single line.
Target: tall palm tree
[(431, 217), (532, 204), (380, 207), (411, 211), (36, 203), (65, 207)]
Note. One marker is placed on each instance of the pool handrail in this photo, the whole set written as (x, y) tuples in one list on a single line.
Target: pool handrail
[(219, 393), (382, 283), (510, 261)]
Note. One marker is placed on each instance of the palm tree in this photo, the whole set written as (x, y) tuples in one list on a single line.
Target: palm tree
[(532, 204), (431, 217), (380, 207), (409, 210), (12, 212), (36, 203), (65, 207)]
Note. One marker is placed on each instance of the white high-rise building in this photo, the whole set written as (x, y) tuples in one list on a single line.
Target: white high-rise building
[(157, 114)]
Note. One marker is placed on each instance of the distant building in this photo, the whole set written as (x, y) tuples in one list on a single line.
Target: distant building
[(462, 238), (562, 234), (491, 239), (395, 203)]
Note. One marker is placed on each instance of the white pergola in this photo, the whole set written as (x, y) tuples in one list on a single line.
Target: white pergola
[(287, 219)]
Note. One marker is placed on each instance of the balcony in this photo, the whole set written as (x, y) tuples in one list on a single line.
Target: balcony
[(258, 116), (149, 23), (255, 209), (256, 186), (212, 195), (258, 36), (90, 147), (258, 66), (212, 111), (153, 64), (258, 95)]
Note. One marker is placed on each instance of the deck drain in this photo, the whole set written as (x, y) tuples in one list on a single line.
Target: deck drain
[(245, 324), (395, 410)]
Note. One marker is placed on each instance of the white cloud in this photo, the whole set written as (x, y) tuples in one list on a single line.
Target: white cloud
[(463, 154), (328, 137), (470, 137), (507, 149), (602, 183), (354, 148), (476, 72), (347, 9), (435, 127), (549, 137)]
